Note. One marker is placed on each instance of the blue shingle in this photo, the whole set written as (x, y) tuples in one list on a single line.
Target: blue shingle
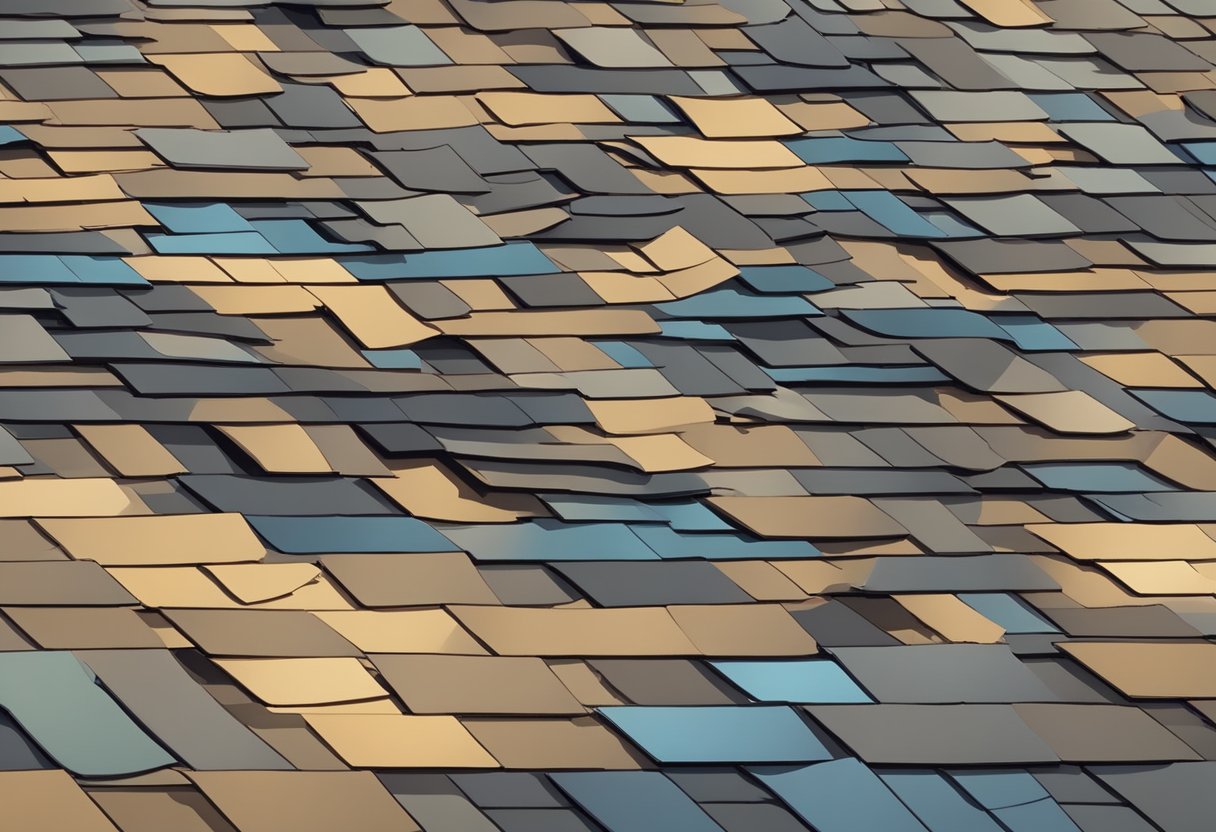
[(691, 516), (1204, 152), (827, 201), (1070, 106), (1032, 334), (623, 354), (201, 218), (241, 242), (510, 259), (643, 109), (1193, 406), (799, 680), (669, 543), (35, 268), (731, 303), (694, 331), (1013, 615), (394, 359), (11, 135), (832, 149), (1097, 477), (102, 271), (889, 211)]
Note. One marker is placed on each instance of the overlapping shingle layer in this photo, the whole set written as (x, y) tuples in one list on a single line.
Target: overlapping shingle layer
[(647, 416)]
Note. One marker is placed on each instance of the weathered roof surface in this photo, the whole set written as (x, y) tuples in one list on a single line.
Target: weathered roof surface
[(647, 416)]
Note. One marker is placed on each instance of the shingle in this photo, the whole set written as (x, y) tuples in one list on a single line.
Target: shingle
[(653, 802), (1174, 796), (942, 673), (936, 735), (707, 361), (54, 698), (643, 584), (838, 795), (612, 47), (935, 800), (587, 168), (308, 106), (436, 221), (398, 46), (664, 682), (432, 169), (55, 83), (256, 149), (165, 698)]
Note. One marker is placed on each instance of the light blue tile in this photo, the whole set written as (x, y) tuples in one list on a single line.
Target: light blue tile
[(35, 268), (201, 218), (669, 543), (694, 331), (889, 211), (243, 242), (1096, 477), (1193, 406), (102, 271), (508, 260), (623, 354), (641, 109), (1204, 152), (1070, 106), (718, 734), (11, 135), (1008, 611), (394, 359), (798, 680), (1032, 334), (784, 279)]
